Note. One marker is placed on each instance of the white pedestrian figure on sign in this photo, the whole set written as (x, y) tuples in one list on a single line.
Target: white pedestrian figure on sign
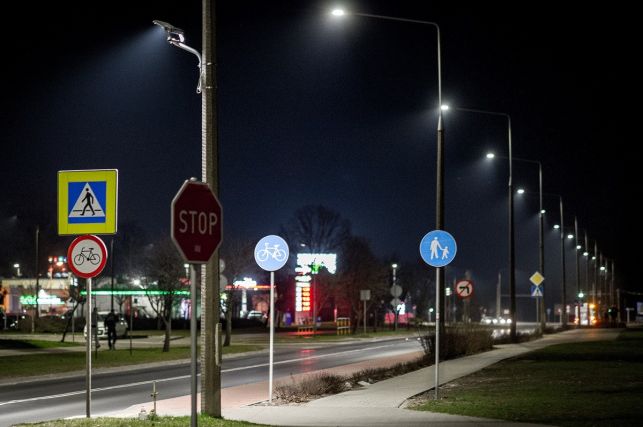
[(435, 245), (445, 252)]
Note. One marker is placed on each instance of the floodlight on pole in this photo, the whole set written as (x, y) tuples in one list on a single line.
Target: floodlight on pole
[(175, 37), (210, 325)]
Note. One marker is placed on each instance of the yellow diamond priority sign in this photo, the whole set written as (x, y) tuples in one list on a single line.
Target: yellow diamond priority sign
[(536, 278)]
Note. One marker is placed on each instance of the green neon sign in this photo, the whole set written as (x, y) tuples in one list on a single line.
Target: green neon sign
[(135, 293)]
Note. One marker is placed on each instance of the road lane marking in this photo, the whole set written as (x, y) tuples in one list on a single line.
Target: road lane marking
[(181, 377)]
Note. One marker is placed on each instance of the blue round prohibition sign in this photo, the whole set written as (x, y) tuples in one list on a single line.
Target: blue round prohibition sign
[(438, 248), (271, 253)]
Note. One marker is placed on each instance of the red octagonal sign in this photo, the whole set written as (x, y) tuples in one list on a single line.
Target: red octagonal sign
[(196, 222)]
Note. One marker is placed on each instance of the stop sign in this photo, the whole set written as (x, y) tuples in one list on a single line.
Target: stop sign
[(196, 222)]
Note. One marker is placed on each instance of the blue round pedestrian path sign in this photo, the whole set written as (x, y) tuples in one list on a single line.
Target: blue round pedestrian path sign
[(271, 253), (438, 248)]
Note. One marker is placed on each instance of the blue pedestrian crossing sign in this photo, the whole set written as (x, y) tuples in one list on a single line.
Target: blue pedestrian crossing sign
[(438, 248), (536, 291), (87, 202)]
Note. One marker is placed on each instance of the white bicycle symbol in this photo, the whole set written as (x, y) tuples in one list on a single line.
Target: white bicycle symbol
[(274, 252)]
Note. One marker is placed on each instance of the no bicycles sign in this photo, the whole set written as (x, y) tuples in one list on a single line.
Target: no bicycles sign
[(87, 256)]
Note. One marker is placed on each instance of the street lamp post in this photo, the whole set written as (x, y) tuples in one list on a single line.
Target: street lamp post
[(510, 206), (578, 248), (561, 229), (563, 309), (395, 311), (439, 194), (439, 203), (210, 325)]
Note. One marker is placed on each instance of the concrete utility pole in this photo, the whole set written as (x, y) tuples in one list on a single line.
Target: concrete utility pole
[(210, 324)]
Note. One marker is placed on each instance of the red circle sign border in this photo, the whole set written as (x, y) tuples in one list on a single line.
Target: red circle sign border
[(456, 289), (103, 261)]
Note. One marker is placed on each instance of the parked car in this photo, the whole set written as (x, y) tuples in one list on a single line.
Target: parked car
[(121, 326), (257, 315)]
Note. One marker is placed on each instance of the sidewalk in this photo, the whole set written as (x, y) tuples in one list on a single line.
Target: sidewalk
[(381, 403)]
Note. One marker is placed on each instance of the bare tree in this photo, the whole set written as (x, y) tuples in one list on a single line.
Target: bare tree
[(239, 262), (318, 228), (164, 269), (359, 270)]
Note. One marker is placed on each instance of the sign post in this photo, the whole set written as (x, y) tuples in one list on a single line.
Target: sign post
[(437, 248), (365, 295), (464, 289), (196, 232), (271, 253), (87, 202), (87, 256)]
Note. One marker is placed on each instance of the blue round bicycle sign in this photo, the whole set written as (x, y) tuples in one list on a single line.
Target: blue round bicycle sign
[(438, 248), (271, 253)]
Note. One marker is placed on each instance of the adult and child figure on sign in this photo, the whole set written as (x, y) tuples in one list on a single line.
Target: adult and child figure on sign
[(435, 245), (110, 324)]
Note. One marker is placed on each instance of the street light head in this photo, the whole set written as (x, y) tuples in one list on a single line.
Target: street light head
[(556, 227), (444, 107), (570, 236), (585, 253), (490, 155), (543, 211), (520, 191), (394, 265), (338, 12), (578, 247), (174, 34)]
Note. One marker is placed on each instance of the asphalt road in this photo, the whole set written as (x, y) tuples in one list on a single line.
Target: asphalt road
[(65, 397)]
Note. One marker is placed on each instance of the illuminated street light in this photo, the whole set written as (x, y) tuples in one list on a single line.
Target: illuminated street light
[(520, 191), (439, 193), (556, 226), (510, 218), (570, 236), (210, 346)]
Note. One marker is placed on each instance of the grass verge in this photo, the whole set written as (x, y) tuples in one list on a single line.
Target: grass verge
[(12, 344), (204, 421), (52, 363), (578, 384)]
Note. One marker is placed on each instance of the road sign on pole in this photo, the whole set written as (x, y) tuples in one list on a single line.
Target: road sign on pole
[(464, 288), (536, 291), (87, 256), (196, 222), (271, 253), (87, 202), (537, 278), (438, 248)]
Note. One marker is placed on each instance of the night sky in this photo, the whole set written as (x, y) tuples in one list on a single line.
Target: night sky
[(342, 113)]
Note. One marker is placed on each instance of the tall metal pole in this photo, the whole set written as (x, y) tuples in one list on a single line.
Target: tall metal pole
[(541, 245), (578, 246), (587, 279), (111, 253), (210, 324), (439, 194), (37, 273), (510, 205), (563, 309), (272, 334), (512, 249), (89, 327), (596, 277), (612, 285), (193, 349)]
